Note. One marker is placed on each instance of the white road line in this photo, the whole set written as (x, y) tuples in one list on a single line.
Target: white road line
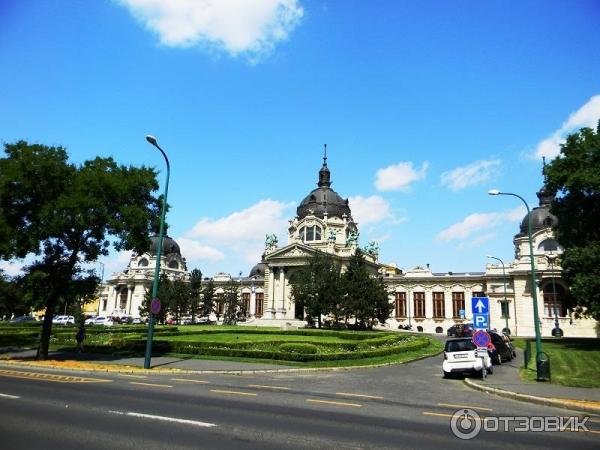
[(9, 396), (165, 419)]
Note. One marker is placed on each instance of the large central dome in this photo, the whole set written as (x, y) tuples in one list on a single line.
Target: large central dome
[(323, 199)]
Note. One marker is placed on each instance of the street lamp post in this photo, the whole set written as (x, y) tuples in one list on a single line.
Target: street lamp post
[(557, 331), (507, 330), (148, 356), (536, 319)]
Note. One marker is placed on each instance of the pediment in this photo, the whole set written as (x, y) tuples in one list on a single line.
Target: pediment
[(291, 251)]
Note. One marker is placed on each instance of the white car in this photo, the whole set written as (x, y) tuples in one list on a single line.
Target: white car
[(90, 321), (461, 357), (106, 321), (63, 320)]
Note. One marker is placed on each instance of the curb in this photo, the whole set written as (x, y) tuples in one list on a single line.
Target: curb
[(5, 363), (576, 405)]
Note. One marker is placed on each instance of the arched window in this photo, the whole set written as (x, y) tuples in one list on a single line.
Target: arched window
[(439, 330), (549, 245), (420, 329), (310, 234), (173, 265), (143, 263)]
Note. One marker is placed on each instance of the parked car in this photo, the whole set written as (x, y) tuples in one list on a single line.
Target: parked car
[(63, 320), (504, 352), (101, 320), (22, 319), (138, 320), (461, 330), (460, 357), (90, 320)]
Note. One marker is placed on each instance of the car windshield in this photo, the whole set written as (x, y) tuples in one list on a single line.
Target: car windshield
[(460, 346)]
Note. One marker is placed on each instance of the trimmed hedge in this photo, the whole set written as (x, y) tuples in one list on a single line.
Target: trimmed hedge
[(298, 347)]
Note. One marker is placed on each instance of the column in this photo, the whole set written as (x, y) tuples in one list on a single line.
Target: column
[(281, 308), (270, 312)]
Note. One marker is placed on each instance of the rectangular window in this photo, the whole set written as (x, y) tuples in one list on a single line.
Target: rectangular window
[(478, 294), (260, 298), (549, 304), (310, 233), (246, 303), (458, 303), (505, 310), (438, 305), (419, 303), (400, 304), (220, 303)]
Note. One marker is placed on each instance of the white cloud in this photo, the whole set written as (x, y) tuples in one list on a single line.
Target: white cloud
[(586, 116), (195, 251), (240, 234), (477, 222), (11, 268), (371, 209), (236, 26), (399, 177), (469, 175)]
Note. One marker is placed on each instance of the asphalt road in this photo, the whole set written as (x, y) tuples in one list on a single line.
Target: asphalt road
[(405, 406)]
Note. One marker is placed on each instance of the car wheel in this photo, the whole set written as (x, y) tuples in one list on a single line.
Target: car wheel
[(447, 374), (490, 371)]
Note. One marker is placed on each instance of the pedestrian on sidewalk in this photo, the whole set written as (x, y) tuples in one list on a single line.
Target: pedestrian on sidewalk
[(80, 337)]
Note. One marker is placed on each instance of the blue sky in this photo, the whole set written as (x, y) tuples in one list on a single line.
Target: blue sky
[(424, 105)]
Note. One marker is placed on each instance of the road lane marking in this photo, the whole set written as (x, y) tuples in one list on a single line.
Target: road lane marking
[(331, 402), (9, 396), (185, 380), (220, 391), (347, 394), (132, 376), (151, 384), (164, 418), (263, 386), (427, 413), (481, 408), (50, 377)]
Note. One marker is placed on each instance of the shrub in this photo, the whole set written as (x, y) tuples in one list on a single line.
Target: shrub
[(297, 347)]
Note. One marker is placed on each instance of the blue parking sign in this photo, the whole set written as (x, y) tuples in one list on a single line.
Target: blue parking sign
[(481, 321)]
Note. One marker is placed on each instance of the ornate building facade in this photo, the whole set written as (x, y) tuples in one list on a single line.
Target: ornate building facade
[(427, 301)]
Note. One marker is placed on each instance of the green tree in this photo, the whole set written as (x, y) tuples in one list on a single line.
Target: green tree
[(232, 301), (12, 299), (195, 293), (317, 286), (574, 178), (164, 294), (67, 216), (366, 298), (207, 305), (179, 301)]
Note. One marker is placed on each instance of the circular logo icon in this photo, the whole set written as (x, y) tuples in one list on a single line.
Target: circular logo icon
[(155, 306), (465, 424)]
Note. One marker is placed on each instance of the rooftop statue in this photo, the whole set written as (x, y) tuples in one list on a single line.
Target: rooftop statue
[(352, 238)]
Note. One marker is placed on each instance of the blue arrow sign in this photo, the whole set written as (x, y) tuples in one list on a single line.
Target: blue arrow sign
[(480, 305)]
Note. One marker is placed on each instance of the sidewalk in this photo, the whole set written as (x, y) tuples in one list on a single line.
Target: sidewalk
[(505, 382)]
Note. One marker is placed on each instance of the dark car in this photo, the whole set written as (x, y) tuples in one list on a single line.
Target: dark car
[(23, 319), (504, 350), (461, 330)]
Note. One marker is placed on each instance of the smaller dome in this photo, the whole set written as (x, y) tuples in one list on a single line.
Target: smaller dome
[(169, 246), (541, 217), (258, 270)]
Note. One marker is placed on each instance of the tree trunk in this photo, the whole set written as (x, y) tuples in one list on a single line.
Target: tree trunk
[(42, 352)]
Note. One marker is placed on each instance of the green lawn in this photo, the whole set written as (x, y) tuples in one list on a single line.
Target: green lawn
[(573, 361)]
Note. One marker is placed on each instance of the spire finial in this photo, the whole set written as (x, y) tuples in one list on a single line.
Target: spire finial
[(324, 175), (324, 154)]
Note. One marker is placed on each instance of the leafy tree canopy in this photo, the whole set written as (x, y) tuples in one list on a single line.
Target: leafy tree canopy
[(574, 177), (67, 215)]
